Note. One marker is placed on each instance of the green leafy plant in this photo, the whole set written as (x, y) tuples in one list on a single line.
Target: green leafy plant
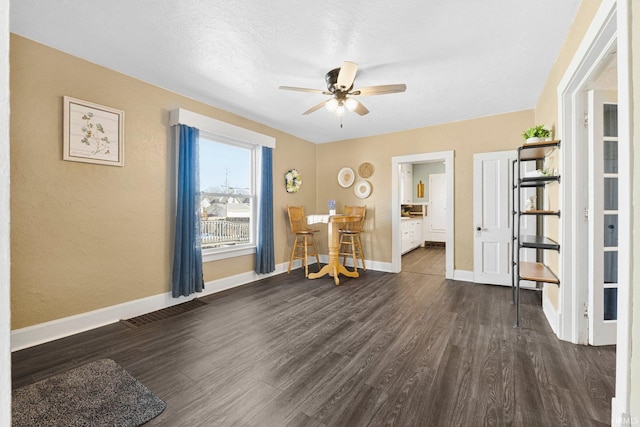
[(536, 132)]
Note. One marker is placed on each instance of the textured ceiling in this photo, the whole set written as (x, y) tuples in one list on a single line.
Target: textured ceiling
[(460, 59)]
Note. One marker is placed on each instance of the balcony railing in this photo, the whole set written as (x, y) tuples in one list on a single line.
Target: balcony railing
[(222, 232)]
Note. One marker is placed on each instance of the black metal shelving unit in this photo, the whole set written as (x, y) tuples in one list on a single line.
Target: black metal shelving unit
[(521, 270)]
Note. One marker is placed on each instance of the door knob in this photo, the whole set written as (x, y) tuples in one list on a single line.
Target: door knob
[(478, 228)]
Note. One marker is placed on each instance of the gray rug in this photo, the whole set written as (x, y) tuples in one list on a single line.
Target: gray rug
[(100, 393)]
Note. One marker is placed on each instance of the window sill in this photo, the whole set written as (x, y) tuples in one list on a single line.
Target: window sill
[(216, 255)]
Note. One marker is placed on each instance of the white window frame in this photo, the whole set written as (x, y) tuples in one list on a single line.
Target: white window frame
[(219, 131), (212, 254)]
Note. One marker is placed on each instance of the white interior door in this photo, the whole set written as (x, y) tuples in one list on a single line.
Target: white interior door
[(492, 217), (603, 217), (438, 201)]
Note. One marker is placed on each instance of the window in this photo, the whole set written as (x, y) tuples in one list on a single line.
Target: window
[(229, 170), (228, 199)]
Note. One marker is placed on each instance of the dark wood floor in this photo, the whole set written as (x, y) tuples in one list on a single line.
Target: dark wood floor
[(424, 261), (408, 349)]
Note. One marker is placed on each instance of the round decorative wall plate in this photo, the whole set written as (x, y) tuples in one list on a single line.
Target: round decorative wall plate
[(365, 170), (346, 177), (362, 189)]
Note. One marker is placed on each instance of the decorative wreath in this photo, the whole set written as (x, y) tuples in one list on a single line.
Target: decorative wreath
[(293, 181)]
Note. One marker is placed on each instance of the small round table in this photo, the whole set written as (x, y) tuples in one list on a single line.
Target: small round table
[(334, 268)]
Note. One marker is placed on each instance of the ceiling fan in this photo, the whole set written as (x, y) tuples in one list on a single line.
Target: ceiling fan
[(340, 87)]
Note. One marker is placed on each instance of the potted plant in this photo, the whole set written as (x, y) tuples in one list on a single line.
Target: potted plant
[(536, 134), (332, 207)]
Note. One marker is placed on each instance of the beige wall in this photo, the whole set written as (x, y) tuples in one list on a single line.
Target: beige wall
[(547, 106), (494, 133), (85, 236), (5, 315), (547, 112)]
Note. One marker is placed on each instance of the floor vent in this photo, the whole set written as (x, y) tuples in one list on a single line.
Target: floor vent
[(165, 313)]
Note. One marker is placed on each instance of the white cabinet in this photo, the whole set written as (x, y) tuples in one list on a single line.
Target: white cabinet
[(406, 183), (411, 230), (406, 237), (418, 239)]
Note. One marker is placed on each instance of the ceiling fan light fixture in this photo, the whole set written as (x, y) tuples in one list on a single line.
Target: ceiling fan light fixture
[(351, 104), (340, 83), (331, 105)]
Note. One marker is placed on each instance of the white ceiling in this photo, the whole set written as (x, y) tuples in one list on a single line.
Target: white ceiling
[(460, 59)]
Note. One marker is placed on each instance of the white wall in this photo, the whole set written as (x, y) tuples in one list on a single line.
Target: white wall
[(5, 325), (634, 291)]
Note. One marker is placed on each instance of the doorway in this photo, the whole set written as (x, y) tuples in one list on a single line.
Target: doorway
[(581, 188), (609, 32), (423, 217), (445, 157)]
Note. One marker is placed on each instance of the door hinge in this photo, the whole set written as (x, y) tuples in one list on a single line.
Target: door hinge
[(586, 214), (586, 310), (586, 119)]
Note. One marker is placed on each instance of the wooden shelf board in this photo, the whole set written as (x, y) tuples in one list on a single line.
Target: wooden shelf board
[(537, 150), (538, 242), (541, 180), (537, 272), (539, 212)]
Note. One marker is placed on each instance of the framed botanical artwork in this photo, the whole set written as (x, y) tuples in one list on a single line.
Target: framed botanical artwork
[(92, 133)]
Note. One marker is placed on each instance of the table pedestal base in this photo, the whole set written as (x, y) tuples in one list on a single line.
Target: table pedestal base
[(334, 268)]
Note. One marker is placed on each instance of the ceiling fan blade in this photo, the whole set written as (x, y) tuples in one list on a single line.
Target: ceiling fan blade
[(303, 89), (347, 75), (314, 108), (360, 108), (379, 90)]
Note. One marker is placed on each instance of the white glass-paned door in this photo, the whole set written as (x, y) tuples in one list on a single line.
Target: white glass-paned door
[(603, 217), (610, 168)]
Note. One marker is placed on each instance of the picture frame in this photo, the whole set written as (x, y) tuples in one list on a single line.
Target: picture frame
[(92, 133)]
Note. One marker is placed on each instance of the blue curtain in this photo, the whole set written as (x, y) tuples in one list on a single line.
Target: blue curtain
[(187, 256), (265, 253)]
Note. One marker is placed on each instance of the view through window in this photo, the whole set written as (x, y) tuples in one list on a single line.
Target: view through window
[(227, 194)]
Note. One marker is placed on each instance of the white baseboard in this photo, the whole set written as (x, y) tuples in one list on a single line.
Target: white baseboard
[(523, 285), (379, 266), (550, 313), (467, 276), (620, 418), (60, 328), (463, 275), (371, 265), (435, 236)]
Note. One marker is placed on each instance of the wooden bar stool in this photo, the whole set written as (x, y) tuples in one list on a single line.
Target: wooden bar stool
[(350, 244), (304, 239)]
